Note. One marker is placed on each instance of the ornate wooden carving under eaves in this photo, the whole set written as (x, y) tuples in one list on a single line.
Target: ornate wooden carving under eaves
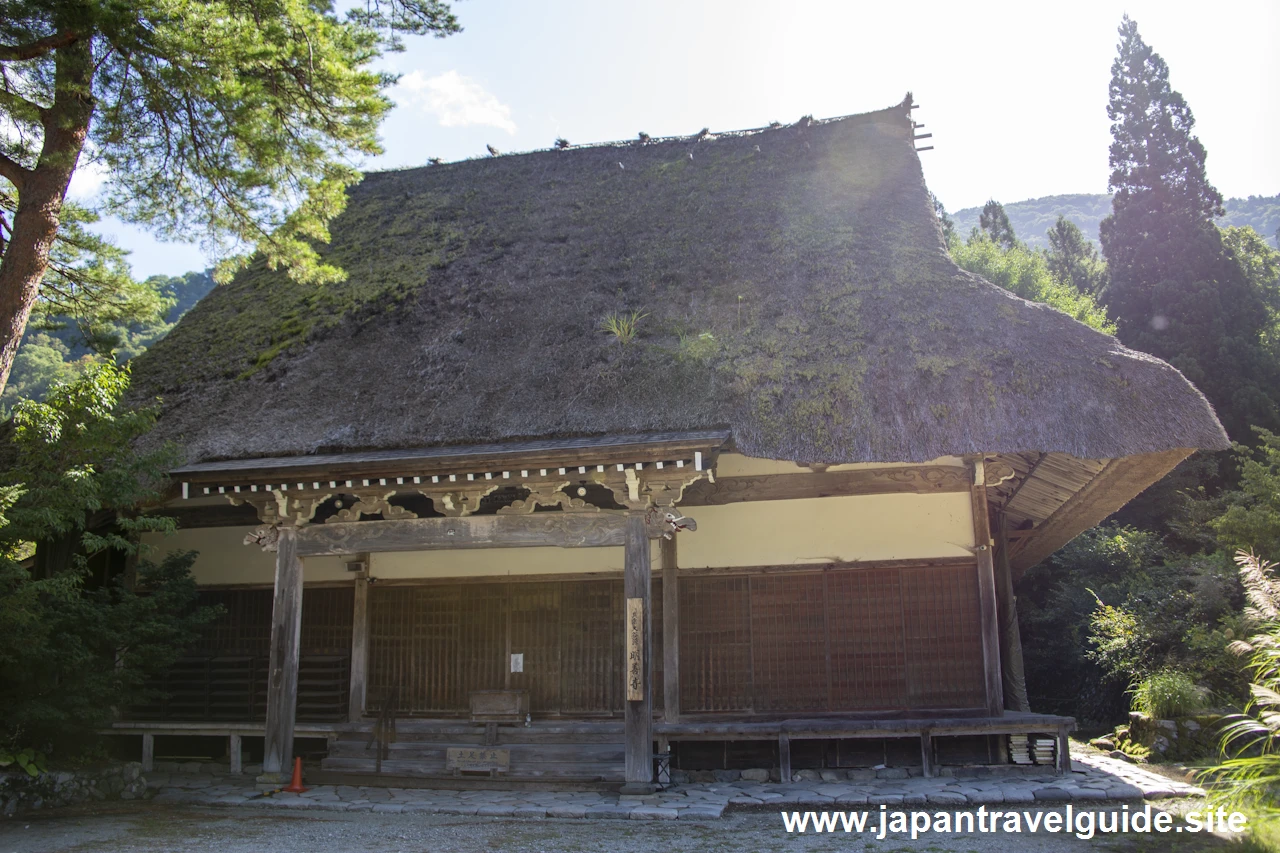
[(936, 476), (997, 472), (548, 494), (267, 537), (370, 503), (279, 507), (455, 500)]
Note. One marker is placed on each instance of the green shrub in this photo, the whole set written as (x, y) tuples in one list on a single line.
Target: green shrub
[(1167, 694)]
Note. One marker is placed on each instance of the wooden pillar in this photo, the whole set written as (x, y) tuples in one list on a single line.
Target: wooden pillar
[(987, 609), (1063, 757), (359, 650), (784, 758), (670, 631), (237, 755), (148, 753), (1011, 670), (638, 723), (282, 677), (926, 753)]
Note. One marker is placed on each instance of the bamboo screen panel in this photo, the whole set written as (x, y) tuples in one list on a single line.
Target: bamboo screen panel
[(855, 640), (439, 642), (413, 645), (789, 642), (591, 647), (715, 644), (535, 633), (223, 677), (483, 638), (944, 643), (868, 667), (655, 597)]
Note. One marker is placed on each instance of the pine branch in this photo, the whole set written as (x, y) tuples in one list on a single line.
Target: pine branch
[(38, 48), (13, 171)]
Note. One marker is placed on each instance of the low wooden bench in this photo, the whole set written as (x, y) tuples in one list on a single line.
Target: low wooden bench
[(837, 729), (234, 732)]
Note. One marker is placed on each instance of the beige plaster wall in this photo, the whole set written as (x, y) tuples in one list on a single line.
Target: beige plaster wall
[(819, 530), (760, 533), (224, 559)]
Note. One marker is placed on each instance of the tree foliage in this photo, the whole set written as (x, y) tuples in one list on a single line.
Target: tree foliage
[(1177, 289), (994, 223), (238, 120), (1026, 273), (72, 647), (1073, 259)]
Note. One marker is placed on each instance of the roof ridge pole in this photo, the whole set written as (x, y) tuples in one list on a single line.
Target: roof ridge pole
[(988, 612)]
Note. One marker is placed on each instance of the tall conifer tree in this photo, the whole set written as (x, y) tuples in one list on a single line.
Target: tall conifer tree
[(1176, 290)]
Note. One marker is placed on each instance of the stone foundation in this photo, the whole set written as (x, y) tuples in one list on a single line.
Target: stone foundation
[(20, 792)]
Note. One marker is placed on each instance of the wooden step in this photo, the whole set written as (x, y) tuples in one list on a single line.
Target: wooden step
[(520, 753), (462, 783), (434, 769)]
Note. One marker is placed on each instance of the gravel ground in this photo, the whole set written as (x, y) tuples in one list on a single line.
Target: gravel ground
[(177, 829)]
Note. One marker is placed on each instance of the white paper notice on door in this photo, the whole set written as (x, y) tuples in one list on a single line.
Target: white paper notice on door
[(517, 663)]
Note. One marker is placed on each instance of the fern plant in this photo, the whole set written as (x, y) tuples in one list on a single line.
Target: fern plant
[(1251, 776)]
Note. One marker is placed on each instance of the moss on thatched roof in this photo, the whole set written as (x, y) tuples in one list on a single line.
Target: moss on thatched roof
[(793, 287)]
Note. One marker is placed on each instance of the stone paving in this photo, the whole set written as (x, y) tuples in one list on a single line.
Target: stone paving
[(1095, 778)]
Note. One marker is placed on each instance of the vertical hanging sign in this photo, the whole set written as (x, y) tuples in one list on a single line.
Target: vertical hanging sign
[(635, 649)]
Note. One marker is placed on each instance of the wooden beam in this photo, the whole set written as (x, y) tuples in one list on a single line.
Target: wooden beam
[(1119, 482), (542, 529), (235, 750), (920, 479), (282, 674), (638, 721), (670, 631), (359, 650), (989, 613), (926, 754), (1011, 667), (148, 753), (457, 460), (784, 758)]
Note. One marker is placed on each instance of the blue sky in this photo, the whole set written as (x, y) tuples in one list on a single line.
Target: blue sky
[(1014, 93)]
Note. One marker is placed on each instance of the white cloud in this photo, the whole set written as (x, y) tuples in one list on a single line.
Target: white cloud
[(456, 101)]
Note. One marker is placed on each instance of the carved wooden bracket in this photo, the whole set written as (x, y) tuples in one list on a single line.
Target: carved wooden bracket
[(279, 507), (457, 502), (672, 522), (267, 537), (997, 472), (371, 503), (547, 494)]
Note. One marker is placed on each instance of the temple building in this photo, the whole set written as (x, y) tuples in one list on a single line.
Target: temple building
[(693, 452)]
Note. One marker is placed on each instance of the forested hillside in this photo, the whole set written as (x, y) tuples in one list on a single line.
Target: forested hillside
[(59, 348), (1033, 217)]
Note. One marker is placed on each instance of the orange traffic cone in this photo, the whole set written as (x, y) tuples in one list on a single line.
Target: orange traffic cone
[(295, 785)]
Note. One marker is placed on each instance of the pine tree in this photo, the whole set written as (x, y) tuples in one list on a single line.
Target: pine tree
[(994, 222), (1073, 259), (1176, 291)]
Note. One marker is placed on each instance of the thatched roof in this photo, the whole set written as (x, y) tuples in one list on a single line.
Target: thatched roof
[(794, 286)]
